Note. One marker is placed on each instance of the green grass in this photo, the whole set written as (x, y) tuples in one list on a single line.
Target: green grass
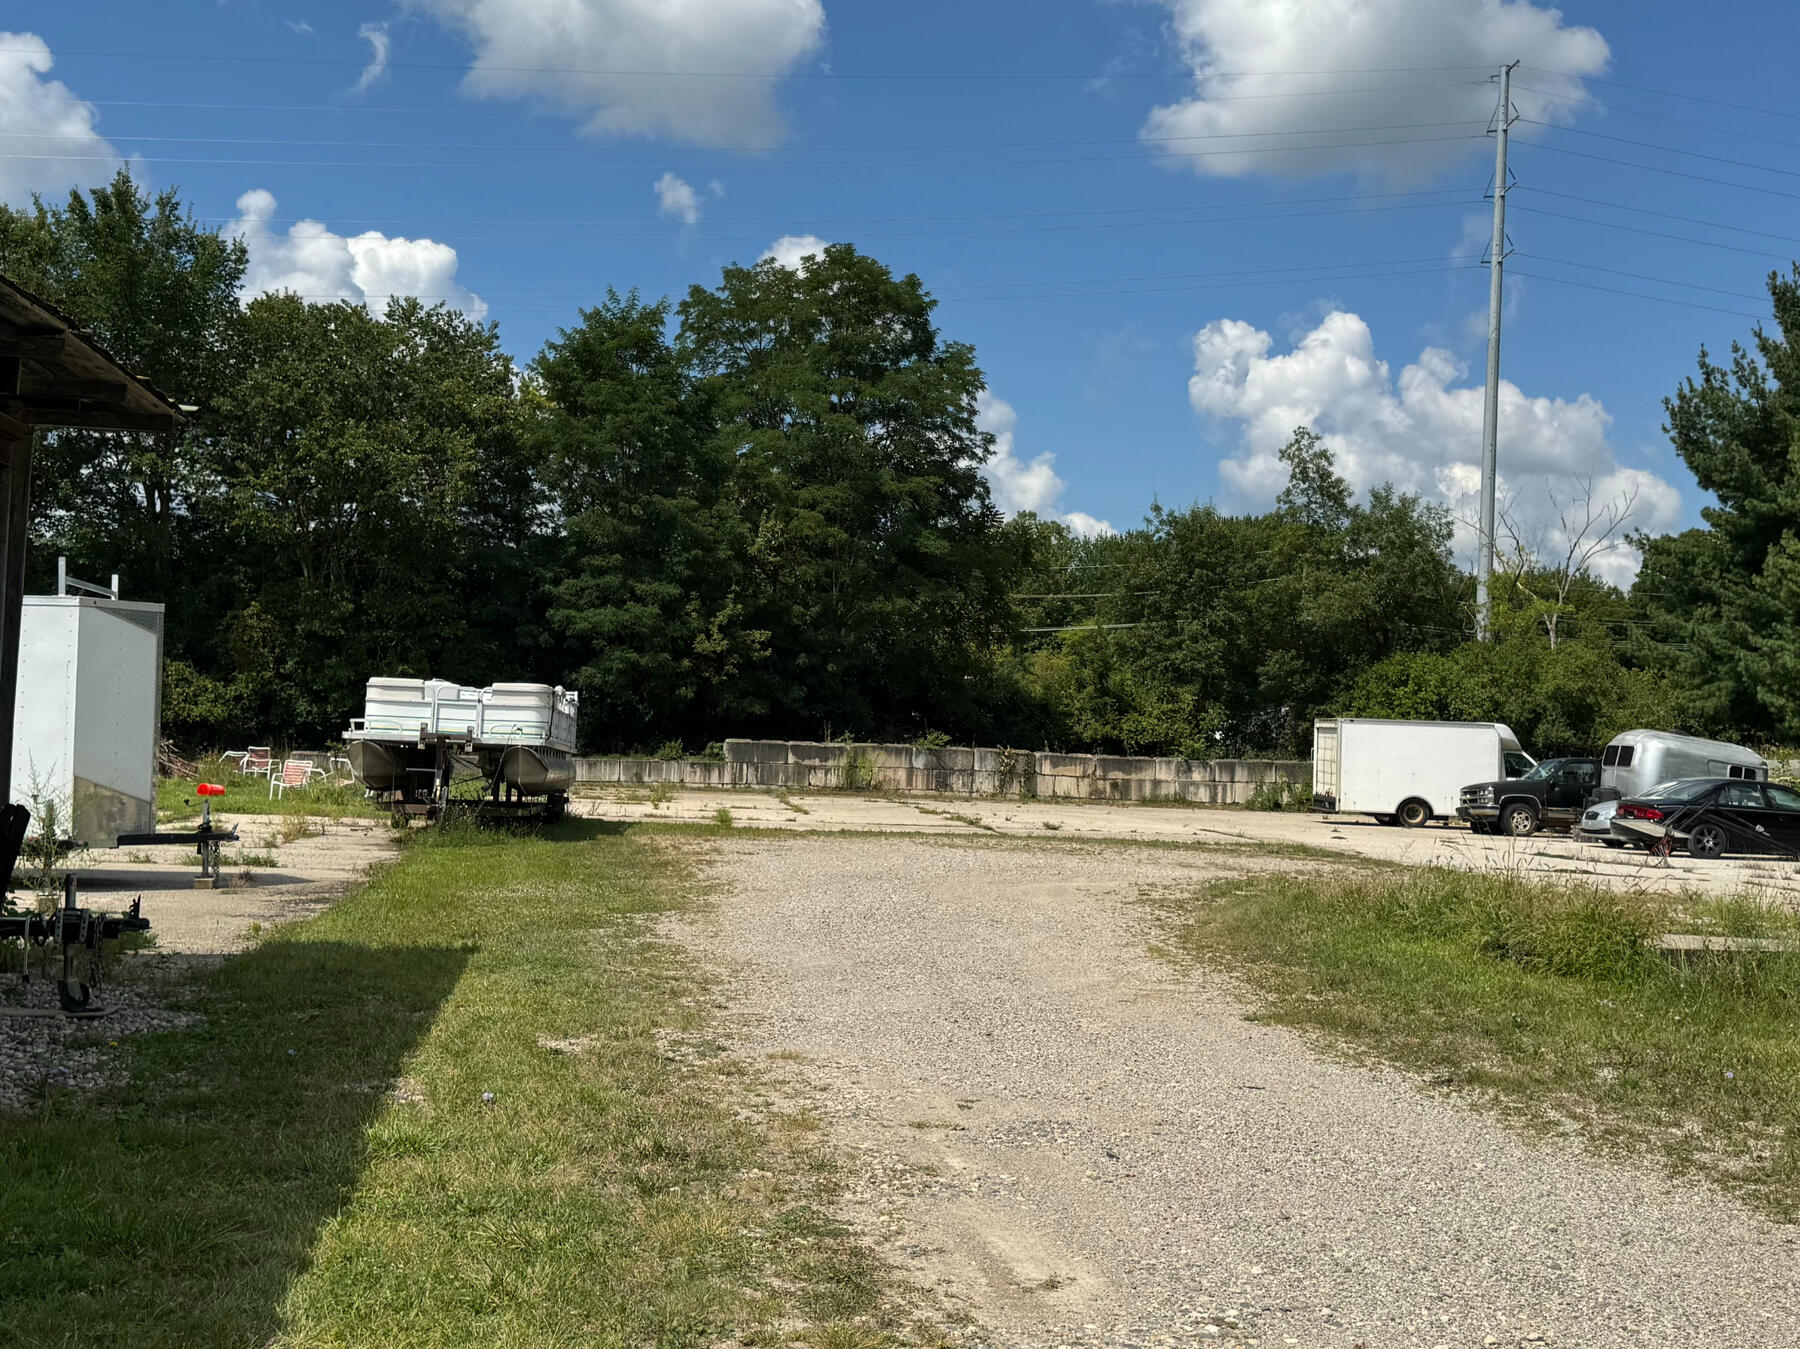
[(474, 1103), (1546, 1001), (244, 795)]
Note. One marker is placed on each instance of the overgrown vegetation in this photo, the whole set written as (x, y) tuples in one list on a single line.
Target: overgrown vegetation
[(475, 1103), (1549, 1001), (249, 794), (761, 511)]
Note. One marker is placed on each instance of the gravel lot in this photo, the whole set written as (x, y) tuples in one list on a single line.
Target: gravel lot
[(1552, 856), (1078, 1144)]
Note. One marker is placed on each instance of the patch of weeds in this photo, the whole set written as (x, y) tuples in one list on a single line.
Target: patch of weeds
[(1281, 794), (1547, 1001), (858, 772), (1052, 825), (791, 804), (296, 825), (660, 794), (722, 818)]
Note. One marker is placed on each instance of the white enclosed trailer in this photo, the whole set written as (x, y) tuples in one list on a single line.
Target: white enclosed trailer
[(1410, 771), (88, 715)]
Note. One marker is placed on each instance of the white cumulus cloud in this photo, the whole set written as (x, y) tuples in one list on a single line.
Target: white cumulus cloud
[(47, 132), (376, 35), (311, 261), (1420, 432), (1250, 57), (677, 199), (1019, 485), (620, 64), (792, 250)]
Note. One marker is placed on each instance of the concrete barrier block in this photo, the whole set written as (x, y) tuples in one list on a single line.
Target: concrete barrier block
[(815, 753)]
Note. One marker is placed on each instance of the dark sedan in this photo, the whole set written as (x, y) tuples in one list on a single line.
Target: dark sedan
[(1713, 816)]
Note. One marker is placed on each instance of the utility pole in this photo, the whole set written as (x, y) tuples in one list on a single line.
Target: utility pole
[(1490, 414)]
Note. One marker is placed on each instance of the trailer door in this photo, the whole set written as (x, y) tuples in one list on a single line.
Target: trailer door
[(1325, 759)]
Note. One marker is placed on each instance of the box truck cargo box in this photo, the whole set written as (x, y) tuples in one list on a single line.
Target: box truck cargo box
[(1407, 771), (88, 714)]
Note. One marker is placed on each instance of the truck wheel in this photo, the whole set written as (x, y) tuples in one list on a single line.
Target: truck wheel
[(1706, 840), (1520, 821), (1413, 813)]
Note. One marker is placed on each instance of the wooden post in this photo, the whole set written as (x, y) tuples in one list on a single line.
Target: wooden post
[(15, 512)]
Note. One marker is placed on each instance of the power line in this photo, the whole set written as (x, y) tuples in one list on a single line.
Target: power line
[(1662, 215), (1195, 276), (1659, 117), (1637, 294), (1083, 627), (1666, 149), (488, 111), (660, 150), (359, 63), (573, 298), (743, 166), (1667, 93), (1655, 234), (1540, 146), (1639, 276), (439, 222)]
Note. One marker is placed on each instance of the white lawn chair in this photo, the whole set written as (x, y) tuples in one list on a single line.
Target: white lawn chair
[(259, 761)]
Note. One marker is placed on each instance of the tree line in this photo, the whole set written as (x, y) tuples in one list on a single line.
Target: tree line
[(760, 510)]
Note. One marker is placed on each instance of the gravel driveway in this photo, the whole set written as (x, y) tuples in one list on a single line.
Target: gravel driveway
[(1078, 1144)]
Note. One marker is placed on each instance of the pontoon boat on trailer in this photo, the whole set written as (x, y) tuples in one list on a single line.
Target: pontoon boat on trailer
[(416, 736)]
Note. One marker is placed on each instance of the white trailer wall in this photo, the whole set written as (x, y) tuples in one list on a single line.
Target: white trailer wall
[(86, 723)]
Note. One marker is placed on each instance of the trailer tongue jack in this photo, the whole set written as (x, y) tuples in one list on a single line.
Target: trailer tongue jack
[(75, 930)]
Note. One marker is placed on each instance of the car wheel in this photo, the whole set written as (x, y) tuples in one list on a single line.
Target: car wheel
[(1519, 821), (1706, 840), (1414, 813)]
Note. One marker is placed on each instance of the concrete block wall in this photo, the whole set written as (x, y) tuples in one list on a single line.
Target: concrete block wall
[(955, 770)]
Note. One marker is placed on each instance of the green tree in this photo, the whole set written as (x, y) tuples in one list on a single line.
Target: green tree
[(1720, 605), (159, 291), (653, 545), (1220, 634), (353, 452), (876, 562), (1568, 699)]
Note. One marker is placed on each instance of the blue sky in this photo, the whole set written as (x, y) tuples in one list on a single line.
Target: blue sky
[(1172, 229)]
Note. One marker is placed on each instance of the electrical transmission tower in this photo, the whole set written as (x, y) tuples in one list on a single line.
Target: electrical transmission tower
[(1490, 413)]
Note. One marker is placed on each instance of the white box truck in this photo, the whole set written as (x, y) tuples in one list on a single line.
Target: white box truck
[(1407, 771), (88, 714)]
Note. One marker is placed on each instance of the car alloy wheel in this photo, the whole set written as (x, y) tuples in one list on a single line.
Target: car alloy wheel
[(1521, 821), (1706, 840)]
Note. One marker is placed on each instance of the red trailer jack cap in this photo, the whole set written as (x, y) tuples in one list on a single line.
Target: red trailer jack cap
[(209, 789)]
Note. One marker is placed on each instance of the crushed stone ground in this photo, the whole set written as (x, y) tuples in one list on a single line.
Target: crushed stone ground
[(1076, 1143)]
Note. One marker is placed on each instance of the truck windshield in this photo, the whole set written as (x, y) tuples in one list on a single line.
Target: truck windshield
[(1546, 769)]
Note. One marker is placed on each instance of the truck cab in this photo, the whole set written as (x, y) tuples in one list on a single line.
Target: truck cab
[(1551, 795)]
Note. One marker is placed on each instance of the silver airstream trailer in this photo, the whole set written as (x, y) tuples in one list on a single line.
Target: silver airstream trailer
[(1636, 761)]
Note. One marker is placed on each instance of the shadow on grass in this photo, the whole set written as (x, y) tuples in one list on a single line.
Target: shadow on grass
[(177, 1208)]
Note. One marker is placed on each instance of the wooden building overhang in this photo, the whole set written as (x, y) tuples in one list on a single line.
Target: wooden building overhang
[(54, 374)]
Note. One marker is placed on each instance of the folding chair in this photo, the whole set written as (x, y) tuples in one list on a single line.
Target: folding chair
[(259, 761)]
